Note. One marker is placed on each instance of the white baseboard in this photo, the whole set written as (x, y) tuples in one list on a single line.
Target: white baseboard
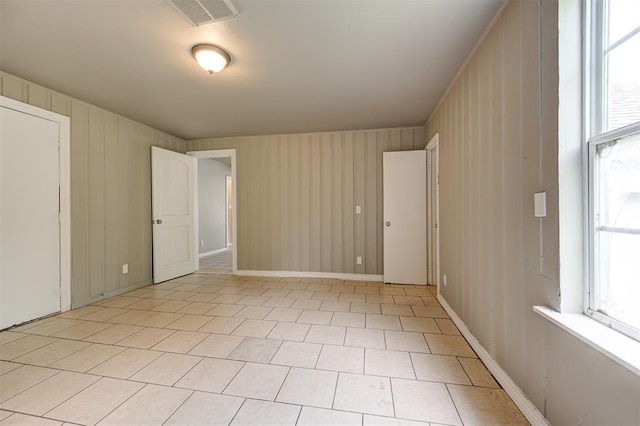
[(525, 405), (307, 274), (209, 253)]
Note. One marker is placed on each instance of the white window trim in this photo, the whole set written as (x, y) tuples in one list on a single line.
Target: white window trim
[(571, 312)]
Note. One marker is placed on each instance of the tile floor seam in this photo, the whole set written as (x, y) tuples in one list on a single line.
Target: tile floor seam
[(446, 385)]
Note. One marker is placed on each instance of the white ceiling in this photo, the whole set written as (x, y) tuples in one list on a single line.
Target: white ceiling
[(297, 66)]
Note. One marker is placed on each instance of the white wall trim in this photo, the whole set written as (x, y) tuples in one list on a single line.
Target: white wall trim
[(212, 252), (308, 274), (529, 410), (225, 153), (65, 190)]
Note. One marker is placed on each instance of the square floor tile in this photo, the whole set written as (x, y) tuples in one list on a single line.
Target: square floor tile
[(180, 341), (439, 368), (189, 322), (405, 341), (160, 319), (87, 358), (483, 406), (388, 363), (113, 334), (326, 334), (253, 312), (364, 337), (297, 354), (206, 409), (404, 310), (478, 373), (309, 387), (424, 401), (146, 338), (217, 345), (422, 325), (258, 381), (254, 328), (22, 378), (211, 375), (49, 393), (370, 420), (315, 317), (17, 419), (19, 347), (167, 369), (151, 405), (126, 363), (52, 353), (310, 416), (341, 358), (289, 331), (225, 310), (449, 345), (95, 402), (256, 350), (447, 326), (222, 325), (365, 308), (348, 319), (284, 314), (266, 413), (383, 322), (364, 394)]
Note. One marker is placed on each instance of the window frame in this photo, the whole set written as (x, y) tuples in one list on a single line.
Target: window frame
[(595, 101)]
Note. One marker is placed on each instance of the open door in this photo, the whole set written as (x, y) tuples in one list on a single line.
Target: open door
[(174, 214), (404, 184)]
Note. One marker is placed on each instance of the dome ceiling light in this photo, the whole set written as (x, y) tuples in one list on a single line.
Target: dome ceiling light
[(211, 58)]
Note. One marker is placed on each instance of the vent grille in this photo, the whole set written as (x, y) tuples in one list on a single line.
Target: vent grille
[(202, 12)]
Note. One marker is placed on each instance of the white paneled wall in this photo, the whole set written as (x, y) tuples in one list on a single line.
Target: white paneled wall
[(297, 196), (110, 191)]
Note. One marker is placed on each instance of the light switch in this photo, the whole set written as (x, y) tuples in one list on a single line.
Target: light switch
[(358, 209), (540, 204)]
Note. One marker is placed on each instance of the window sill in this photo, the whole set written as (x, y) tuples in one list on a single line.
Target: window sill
[(616, 346)]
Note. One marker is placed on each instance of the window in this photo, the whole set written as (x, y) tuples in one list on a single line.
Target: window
[(613, 163)]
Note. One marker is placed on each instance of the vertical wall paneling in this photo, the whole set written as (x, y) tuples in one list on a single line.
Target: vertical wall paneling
[(300, 194), (110, 191)]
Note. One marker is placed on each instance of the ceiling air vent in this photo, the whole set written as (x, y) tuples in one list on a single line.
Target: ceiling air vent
[(202, 12)]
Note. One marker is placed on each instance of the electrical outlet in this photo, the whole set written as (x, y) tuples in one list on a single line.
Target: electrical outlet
[(201, 242), (444, 279), (358, 209), (359, 260), (125, 268)]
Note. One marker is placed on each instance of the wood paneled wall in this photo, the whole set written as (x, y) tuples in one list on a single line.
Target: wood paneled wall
[(499, 142), (110, 191), (297, 196)]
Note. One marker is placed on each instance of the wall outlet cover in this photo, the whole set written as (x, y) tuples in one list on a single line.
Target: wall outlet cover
[(359, 260), (125, 268)]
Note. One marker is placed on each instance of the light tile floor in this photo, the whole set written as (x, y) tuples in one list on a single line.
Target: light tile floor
[(222, 261), (219, 349)]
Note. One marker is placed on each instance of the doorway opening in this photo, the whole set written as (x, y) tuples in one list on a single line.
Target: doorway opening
[(433, 212), (216, 224)]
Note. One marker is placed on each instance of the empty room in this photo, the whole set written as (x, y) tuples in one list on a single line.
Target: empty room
[(319, 212)]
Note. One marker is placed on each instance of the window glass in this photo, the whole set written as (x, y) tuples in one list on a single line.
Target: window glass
[(617, 222), (624, 84)]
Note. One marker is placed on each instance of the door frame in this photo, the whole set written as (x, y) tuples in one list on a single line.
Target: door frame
[(433, 161), (226, 153), (64, 143), (228, 178)]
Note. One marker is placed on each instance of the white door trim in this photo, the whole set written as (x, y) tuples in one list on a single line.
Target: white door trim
[(433, 151), (226, 153), (65, 190)]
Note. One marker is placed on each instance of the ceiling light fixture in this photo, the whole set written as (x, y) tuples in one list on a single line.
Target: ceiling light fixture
[(211, 58)]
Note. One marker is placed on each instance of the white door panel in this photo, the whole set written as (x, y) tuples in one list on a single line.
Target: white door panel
[(174, 214), (29, 223), (404, 190)]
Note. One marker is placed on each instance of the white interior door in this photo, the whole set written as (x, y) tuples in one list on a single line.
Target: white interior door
[(433, 209), (29, 217), (405, 209), (174, 214)]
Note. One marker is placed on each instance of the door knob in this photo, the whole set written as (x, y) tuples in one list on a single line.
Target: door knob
[(388, 223), (159, 221)]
